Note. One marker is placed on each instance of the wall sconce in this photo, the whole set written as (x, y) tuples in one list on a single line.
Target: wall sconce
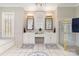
[(29, 13), (49, 13), (54, 30)]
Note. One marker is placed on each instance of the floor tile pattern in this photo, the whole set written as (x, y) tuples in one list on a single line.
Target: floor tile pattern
[(39, 50)]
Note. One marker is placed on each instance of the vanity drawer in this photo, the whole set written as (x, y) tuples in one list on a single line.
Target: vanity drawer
[(39, 40)]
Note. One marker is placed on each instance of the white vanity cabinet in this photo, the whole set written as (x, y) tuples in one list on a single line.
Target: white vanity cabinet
[(29, 38), (49, 38)]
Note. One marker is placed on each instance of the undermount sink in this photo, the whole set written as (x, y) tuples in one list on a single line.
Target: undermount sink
[(39, 35), (39, 32)]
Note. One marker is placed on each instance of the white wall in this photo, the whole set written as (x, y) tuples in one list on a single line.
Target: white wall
[(64, 13), (39, 20), (0, 23), (77, 11), (18, 23), (77, 34)]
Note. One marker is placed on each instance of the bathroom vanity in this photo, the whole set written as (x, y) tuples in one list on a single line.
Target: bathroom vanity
[(40, 28), (43, 38)]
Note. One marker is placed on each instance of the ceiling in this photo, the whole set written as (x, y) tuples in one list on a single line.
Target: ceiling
[(39, 6)]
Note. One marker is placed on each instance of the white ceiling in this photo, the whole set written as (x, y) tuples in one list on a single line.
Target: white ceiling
[(33, 4), (38, 6)]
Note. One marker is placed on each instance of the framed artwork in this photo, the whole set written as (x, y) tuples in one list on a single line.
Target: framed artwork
[(30, 23), (48, 23)]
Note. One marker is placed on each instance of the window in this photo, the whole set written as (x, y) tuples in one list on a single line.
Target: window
[(8, 24)]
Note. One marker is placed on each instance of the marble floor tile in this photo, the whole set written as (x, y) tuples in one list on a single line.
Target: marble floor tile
[(38, 48)]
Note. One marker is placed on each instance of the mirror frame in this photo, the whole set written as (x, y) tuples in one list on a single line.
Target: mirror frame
[(27, 19), (47, 18)]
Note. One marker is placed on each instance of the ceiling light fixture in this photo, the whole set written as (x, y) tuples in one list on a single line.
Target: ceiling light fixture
[(40, 4)]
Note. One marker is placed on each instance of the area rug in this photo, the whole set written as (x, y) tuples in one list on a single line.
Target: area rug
[(38, 53)]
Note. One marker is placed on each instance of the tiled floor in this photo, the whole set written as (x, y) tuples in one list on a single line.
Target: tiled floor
[(40, 48)]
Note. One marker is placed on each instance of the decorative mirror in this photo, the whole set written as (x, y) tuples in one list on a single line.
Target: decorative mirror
[(30, 23), (48, 23)]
